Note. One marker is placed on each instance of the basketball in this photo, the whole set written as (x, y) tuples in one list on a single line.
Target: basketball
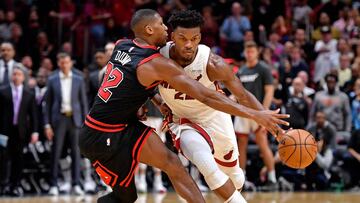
[(297, 148)]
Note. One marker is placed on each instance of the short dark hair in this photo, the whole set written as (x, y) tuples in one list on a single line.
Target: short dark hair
[(186, 19), (331, 75), (62, 55), (250, 44), (141, 15)]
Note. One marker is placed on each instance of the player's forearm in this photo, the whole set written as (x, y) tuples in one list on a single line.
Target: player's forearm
[(222, 103), (157, 100), (253, 102)]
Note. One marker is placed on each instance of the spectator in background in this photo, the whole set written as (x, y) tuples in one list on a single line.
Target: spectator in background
[(344, 71), (40, 90), (297, 105), (96, 76), (332, 8), (18, 120), (297, 62), (307, 91), (65, 109), (307, 49), (355, 105), (18, 40), (210, 29), (301, 13), (5, 31), (334, 104), (97, 12), (275, 45), (326, 50), (257, 79), (324, 20), (68, 48), (7, 62), (47, 64), (65, 15), (345, 22), (232, 31), (281, 28), (343, 48), (43, 49), (317, 175), (352, 163), (349, 85)]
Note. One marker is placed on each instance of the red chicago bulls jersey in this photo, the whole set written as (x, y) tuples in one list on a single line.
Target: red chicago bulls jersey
[(121, 94)]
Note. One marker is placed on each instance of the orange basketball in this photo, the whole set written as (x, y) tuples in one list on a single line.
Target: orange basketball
[(297, 148)]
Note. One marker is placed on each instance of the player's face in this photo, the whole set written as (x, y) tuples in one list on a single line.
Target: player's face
[(160, 31), (186, 41)]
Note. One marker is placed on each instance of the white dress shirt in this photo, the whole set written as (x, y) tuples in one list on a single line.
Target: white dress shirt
[(66, 83), (10, 65)]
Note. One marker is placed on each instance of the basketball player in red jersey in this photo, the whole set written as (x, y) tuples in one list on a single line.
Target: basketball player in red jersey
[(116, 141)]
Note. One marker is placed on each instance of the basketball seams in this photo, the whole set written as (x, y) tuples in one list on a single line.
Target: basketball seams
[(309, 135), (291, 145)]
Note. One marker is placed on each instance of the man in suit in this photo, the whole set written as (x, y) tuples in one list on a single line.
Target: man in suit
[(7, 62), (96, 76), (65, 108), (18, 120)]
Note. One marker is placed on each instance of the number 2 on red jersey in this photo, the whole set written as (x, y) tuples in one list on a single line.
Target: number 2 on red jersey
[(112, 79)]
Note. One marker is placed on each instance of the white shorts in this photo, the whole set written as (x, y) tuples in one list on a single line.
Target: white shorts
[(156, 123), (244, 126), (222, 136)]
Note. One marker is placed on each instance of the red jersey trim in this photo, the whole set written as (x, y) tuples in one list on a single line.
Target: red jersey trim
[(153, 85), (104, 129), (114, 176), (149, 58), (226, 164), (104, 124), (145, 46)]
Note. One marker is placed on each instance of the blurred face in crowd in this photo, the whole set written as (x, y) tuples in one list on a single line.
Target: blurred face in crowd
[(236, 9), (27, 62), (304, 76), (47, 64), (67, 47), (2, 15), (298, 85), (18, 77), (357, 87), (295, 54), (344, 62), (300, 35), (320, 119), (331, 84), (324, 19), (251, 54), (10, 16), (342, 45), (65, 64), (326, 37), (109, 48), (274, 38), (249, 36), (42, 39), (16, 30), (100, 59), (41, 77), (186, 42), (7, 51)]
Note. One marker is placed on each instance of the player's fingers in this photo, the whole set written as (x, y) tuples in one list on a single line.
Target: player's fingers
[(281, 122), (282, 115)]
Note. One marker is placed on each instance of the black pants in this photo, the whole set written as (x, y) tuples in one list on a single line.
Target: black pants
[(12, 159), (65, 127)]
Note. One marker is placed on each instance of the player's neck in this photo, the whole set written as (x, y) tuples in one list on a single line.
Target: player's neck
[(177, 57), (143, 41)]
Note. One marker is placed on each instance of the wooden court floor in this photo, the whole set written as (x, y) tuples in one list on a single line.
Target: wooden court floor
[(257, 197)]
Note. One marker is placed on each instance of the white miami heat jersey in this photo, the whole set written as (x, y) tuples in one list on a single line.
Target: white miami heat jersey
[(182, 105)]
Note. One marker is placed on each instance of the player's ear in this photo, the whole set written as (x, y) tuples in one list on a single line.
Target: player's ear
[(149, 30), (172, 36)]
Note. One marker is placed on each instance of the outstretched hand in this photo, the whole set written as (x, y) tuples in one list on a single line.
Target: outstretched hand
[(271, 120)]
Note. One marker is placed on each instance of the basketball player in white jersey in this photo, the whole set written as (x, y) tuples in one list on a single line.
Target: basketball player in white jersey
[(199, 129)]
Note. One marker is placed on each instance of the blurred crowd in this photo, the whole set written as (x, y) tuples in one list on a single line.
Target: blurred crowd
[(52, 59)]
